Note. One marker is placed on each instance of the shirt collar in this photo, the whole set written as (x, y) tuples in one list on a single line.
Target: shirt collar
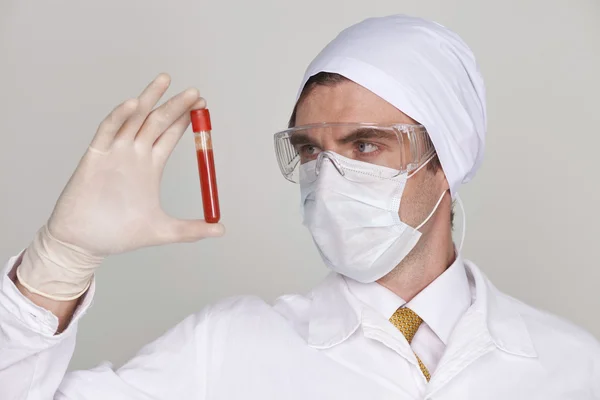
[(444, 301), (441, 304), (375, 296), (336, 313)]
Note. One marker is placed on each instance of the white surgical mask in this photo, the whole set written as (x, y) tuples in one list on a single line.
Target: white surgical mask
[(354, 218)]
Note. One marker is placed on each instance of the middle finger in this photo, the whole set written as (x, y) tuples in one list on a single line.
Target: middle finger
[(147, 100)]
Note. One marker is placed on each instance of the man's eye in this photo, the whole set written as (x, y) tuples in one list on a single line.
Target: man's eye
[(365, 147), (309, 150)]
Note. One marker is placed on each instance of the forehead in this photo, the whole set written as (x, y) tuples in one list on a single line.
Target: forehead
[(347, 102)]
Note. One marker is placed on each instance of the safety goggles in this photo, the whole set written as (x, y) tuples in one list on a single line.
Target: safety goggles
[(400, 147)]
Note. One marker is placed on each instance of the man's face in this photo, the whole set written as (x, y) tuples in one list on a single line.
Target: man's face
[(349, 102)]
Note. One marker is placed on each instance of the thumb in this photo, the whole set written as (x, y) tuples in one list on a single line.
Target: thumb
[(193, 230)]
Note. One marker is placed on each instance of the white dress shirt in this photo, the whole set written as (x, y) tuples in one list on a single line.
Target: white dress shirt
[(324, 345), (441, 305)]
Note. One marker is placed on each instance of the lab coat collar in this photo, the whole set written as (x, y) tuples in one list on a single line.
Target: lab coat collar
[(505, 324), (336, 314)]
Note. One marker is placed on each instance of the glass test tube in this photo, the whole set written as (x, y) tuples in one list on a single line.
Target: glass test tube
[(206, 164)]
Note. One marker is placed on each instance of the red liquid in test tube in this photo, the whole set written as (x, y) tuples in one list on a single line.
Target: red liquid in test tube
[(206, 164)]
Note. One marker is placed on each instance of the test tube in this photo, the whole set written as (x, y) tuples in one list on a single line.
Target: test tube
[(206, 164)]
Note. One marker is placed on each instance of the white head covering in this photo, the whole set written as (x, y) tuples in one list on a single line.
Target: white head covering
[(424, 70)]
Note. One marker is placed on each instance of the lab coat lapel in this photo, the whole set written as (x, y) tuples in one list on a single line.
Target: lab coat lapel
[(491, 323), (469, 341)]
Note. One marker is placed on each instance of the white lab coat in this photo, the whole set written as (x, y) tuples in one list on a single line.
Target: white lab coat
[(324, 345)]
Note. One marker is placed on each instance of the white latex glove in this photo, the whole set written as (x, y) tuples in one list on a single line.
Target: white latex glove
[(111, 204)]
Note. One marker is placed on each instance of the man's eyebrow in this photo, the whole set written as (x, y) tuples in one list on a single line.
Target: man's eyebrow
[(367, 133), (299, 138)]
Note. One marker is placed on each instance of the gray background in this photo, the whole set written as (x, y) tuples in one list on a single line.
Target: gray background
[(532, 211)]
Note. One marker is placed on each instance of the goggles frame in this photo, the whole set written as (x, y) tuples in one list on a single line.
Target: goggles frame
[(419, 150)]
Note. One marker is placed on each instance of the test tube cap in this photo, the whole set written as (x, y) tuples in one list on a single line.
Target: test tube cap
[(200, 120)]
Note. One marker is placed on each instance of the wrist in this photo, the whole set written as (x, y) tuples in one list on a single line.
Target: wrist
[(56, 270)]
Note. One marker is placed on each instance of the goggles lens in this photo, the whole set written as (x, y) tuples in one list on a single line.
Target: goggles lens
[(400, 147)]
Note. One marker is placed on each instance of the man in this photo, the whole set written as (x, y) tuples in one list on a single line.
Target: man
[(389, 122)]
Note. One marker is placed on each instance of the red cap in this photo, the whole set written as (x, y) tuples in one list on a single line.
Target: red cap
[(200, 120)]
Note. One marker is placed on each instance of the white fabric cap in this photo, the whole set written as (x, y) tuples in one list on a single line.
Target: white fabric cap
[(424, 70)]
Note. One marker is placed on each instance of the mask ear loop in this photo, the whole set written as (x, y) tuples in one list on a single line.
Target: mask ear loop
[(458, 200), (464, 222), (432, 211), (439, 200), (464, 218)]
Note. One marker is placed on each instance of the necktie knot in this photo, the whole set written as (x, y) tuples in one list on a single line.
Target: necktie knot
[(407, 321)]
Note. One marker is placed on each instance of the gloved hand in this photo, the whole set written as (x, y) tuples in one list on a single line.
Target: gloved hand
[(111, 204)]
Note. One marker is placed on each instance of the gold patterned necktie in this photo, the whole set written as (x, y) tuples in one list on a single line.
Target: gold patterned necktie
[(407, 321)]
